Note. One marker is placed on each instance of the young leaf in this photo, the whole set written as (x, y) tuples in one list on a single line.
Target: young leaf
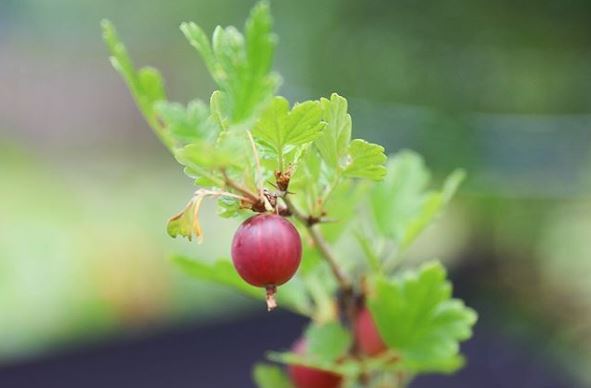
[(416, 315), (146, 85), (280, 127), (366, 161), (270, 376), (186, 124), (334, 142), (201, 155), (240, 66)]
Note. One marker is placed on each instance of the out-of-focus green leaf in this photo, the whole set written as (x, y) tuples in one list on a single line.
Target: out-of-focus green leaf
[(145, 85), (186, 124), (326, 345), (327, 342), (366, 161), (401, 206), (241, 66), (270, 376), (220, 271), (348, 367), (291, 295), (416, 315), (370, 253)]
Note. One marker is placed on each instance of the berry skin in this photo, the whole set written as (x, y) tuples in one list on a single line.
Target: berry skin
[(266, 252), (304, 377), (367, 334)]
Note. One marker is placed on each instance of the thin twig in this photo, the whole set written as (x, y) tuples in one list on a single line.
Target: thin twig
[(321, 245), (241, 189), (349, 308)]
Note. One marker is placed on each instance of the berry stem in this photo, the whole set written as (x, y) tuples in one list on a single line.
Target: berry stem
[(271, 301)]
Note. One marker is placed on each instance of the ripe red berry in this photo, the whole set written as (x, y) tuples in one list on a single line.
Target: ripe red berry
[(367, 334), (304, 377), (266, 252)]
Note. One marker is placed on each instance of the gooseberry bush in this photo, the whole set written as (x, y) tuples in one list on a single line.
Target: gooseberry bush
[(328, 218)]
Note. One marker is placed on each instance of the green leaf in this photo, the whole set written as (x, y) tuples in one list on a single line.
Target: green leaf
[(366, 161), (241, 66), (280, 127), (401, 206), (291, 295), (186, 124), (146, 85), (334, 142), (270, 376), (416, 315), (326, 345), (327, 342), (201, 155), (228, 207), (220, 271), (348, 367)]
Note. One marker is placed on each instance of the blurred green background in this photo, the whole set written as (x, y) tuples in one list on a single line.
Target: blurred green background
[(499, 88)]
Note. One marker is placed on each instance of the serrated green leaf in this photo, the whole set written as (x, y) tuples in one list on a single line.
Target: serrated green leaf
[(270, 376), (334, 142), (240, 66), (401, 206), (291, 295), (280, 127), (416, 315), (366, 160), (327, 342)]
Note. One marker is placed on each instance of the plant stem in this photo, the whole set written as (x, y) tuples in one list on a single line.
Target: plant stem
[(348, 308), (239, 188), (321, 245)]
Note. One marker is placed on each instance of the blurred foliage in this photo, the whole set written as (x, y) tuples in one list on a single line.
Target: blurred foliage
[(71, 268)]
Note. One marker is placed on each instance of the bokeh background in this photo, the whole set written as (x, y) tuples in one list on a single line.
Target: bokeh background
[(501, 88)]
